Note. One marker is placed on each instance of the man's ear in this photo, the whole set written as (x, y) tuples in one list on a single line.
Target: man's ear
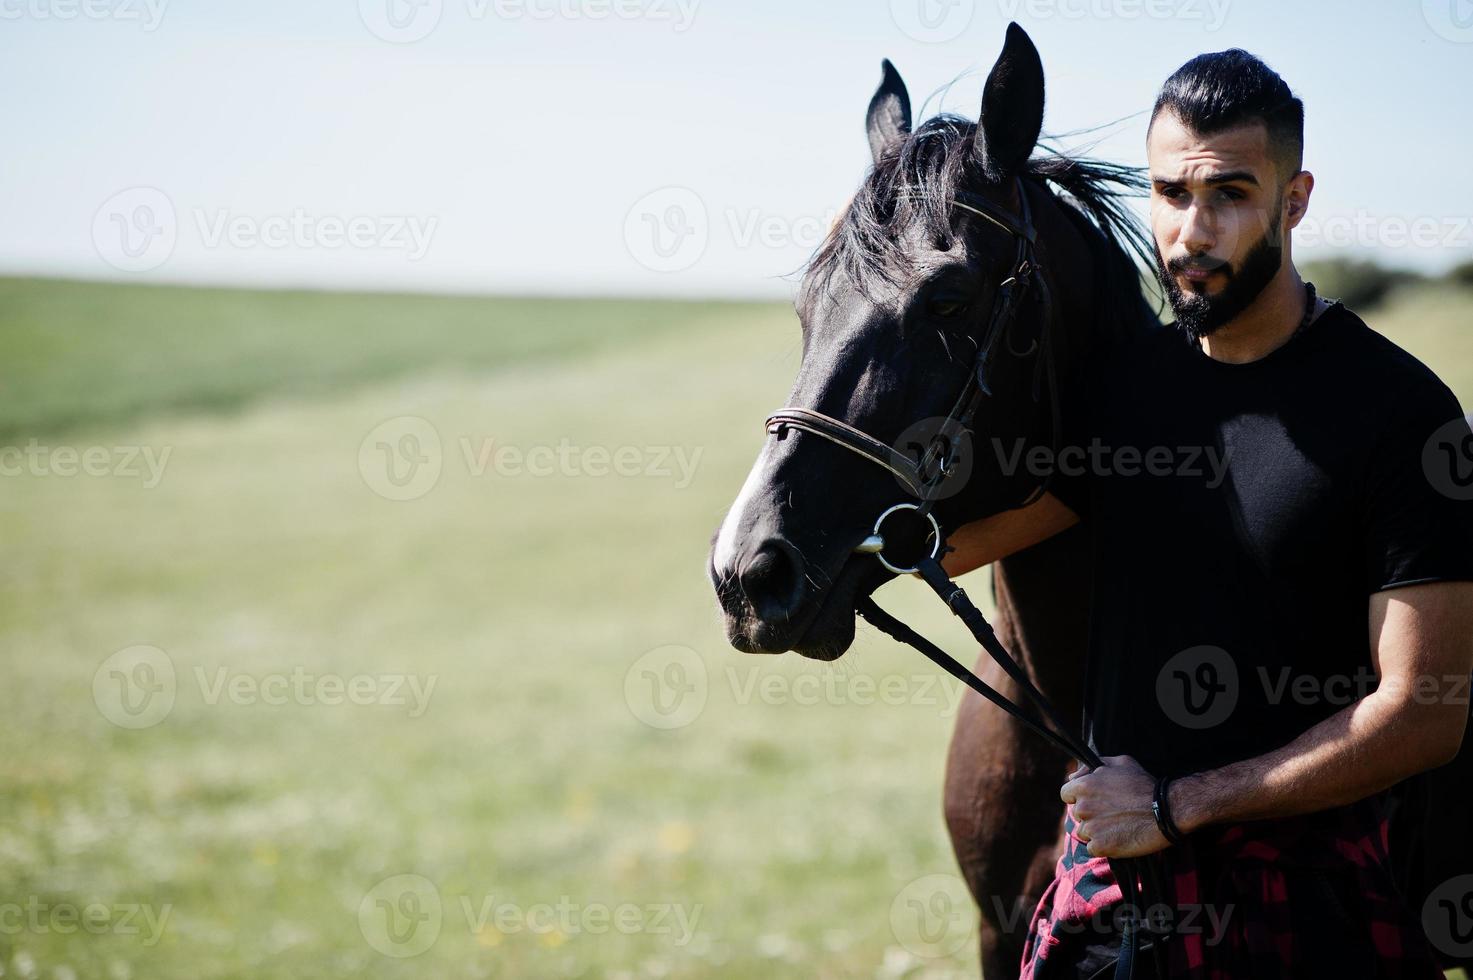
[(888, 120), (1296, 198)]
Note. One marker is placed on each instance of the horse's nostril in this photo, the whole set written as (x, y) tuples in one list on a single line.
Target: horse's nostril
[(772, 580)]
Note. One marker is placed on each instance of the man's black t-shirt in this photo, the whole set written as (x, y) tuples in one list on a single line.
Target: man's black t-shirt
[(1242, 516)]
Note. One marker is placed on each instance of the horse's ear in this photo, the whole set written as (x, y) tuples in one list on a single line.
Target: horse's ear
[(889, 111), (1012, 107)]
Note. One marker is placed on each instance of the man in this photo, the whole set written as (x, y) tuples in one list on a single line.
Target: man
[(1283, 613)]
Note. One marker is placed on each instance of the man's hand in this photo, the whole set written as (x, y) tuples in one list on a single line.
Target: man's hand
[(1112, 808)]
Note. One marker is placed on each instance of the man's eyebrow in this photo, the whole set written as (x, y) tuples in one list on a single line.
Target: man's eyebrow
[(1227, 177)]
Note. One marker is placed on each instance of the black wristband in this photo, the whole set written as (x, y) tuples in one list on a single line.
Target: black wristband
[(1161, 810)]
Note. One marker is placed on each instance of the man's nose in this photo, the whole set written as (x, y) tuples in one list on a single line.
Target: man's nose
[(1198, 230)]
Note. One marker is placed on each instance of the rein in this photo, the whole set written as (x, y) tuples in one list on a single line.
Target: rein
[(925, 478)]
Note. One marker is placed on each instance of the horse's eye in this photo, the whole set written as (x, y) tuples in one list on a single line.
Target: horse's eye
[(946, 307)]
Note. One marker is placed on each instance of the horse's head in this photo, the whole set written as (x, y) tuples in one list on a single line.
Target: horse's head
[(895, 308)]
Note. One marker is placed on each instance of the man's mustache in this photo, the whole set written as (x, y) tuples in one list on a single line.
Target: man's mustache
[(1199, 263)]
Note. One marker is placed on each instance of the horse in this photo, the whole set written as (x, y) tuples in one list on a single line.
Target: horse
[(893, 309)]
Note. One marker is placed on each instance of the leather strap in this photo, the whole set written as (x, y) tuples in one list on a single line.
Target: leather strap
[(845, 435)]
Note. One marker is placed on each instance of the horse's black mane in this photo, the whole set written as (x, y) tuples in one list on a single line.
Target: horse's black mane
[(915, 182)]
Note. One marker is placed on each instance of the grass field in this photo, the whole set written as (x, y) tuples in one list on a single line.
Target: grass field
[(249, 691)]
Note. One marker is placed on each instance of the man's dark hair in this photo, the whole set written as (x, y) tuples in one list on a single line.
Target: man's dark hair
[(1218, 91)]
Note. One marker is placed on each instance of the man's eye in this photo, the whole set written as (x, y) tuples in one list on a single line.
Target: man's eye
[(946, 307)]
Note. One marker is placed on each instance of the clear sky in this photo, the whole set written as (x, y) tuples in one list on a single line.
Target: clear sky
[(633, 146)]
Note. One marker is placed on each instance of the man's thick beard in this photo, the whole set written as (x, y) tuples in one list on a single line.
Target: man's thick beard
[(1199, 315)]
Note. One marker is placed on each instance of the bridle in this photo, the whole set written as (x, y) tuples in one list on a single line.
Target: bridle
[(926, 478)]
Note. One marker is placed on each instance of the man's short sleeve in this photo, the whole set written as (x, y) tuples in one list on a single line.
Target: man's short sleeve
[(1419, 497)]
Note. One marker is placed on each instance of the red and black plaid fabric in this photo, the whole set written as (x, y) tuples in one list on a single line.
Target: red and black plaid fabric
[(1306, 897)]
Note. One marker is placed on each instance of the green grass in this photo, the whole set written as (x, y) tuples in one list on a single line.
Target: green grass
[(73, 353), (791, 829)]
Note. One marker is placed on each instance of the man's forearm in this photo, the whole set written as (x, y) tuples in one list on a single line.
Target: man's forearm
[(994, 538), (1365, 748)]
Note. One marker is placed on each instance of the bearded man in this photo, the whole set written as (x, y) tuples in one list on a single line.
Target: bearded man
[(1274, 649)]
